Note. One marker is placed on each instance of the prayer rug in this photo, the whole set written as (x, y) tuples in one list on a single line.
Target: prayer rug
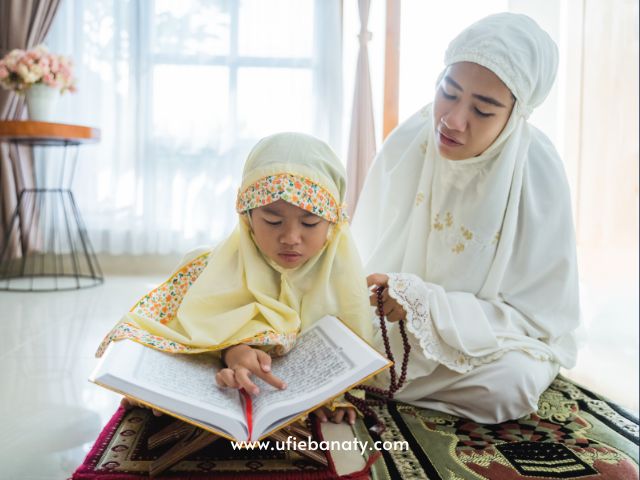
[(574, 434), (121, 453)]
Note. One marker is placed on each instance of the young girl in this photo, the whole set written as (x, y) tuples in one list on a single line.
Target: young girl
[(290, 261)]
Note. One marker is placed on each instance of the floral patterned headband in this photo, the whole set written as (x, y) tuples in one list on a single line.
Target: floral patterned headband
[(295, 189)]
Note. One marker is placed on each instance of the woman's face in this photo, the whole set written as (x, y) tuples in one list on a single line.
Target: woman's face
[(287, 234), (470, 109)]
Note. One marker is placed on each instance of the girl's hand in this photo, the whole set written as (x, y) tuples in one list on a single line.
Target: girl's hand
[(242, 361), (338, 415), (390, 308)]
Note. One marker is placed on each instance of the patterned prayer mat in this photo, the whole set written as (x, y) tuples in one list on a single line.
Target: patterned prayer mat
[(574, 434), (121, 453)]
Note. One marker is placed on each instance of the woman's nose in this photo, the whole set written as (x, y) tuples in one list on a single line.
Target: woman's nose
[(455, 119)]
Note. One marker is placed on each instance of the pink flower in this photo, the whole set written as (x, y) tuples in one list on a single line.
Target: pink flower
[(55, 64), (19, 69), (49, 80)]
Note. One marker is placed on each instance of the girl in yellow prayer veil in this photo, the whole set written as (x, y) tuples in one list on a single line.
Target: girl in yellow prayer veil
[(290, 261)]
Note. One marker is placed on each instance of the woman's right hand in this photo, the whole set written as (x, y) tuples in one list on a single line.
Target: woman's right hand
[(391, 309), (242, 361)]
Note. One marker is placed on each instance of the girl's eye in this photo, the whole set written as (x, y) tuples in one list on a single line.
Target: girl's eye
[(273, 222), (310, 225), (482, 114)]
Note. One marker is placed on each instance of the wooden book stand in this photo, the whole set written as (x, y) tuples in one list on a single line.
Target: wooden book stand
[(189, 439)]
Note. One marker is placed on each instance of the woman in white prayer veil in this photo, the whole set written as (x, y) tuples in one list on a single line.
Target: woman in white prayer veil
[(465, 219)]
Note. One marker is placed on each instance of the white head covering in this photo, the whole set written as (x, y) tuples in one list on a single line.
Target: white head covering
[(514, 48), (491, 235)]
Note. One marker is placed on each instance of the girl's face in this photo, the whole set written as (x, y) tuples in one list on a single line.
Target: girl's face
[(287, 234), (470, 109)]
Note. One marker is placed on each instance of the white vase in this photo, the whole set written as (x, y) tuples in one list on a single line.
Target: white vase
[(41, 102)]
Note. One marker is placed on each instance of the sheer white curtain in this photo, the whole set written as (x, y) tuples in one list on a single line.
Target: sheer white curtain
[(362, 141), (182, 91)]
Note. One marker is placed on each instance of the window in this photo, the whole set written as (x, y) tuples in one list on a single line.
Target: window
[(182, 91)]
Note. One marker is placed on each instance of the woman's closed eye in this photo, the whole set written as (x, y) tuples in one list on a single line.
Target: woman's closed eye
[(476, 110), (310, 225), (481, 113), (273, 222), (446, 95)]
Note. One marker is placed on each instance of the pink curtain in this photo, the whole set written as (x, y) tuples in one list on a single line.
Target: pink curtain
[(23, 24), (362, 142)]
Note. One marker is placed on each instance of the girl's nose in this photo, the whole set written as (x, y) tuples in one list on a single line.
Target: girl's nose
[(290, 236)]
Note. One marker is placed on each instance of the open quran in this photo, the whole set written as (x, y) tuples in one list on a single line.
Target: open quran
[(327, 360)]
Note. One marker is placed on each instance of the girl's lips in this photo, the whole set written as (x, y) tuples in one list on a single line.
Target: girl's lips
[(290, 257), (450, 142)]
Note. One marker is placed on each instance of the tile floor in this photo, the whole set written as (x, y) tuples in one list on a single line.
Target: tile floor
[(50, 414)]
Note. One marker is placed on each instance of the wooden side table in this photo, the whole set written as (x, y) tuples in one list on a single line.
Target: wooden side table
[(46, 246)]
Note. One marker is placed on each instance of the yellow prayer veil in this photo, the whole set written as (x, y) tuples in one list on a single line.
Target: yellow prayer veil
[(234, 294)]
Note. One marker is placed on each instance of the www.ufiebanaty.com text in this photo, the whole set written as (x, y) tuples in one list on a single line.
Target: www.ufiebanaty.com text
[(293, 443)]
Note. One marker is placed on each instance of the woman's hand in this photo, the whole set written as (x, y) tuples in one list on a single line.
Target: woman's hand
[(338, 415), (129, 403), (390, 308), (242, 361)]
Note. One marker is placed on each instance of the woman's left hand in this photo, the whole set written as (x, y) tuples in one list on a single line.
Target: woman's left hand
[(390, 307), (337, 416)]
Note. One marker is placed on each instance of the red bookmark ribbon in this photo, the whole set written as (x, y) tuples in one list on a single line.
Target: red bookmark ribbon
[(248, 411)]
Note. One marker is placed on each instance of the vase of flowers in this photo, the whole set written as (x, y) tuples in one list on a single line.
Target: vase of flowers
[(40, 76)]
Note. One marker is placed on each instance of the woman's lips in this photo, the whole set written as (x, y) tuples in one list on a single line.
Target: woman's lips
[(448, 141)]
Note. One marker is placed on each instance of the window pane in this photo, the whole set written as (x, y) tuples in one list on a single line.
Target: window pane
[(273, 100), (191, 27), (277, 28), (189, 105)]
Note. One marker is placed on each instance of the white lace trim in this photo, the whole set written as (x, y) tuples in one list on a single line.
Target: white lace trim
[(413, 295)]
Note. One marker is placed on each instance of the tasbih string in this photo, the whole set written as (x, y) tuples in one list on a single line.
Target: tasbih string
[(382, 396)]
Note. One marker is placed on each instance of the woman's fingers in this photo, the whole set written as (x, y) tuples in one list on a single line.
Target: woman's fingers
[(321, 414), (387, 307), (373, 298), (338, 415), (129, 403), (379, 279), (351, 416), (396, 315), (126, 403), (390, 307)]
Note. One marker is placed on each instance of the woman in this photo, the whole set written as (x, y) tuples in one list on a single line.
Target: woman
[(468, 205)]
